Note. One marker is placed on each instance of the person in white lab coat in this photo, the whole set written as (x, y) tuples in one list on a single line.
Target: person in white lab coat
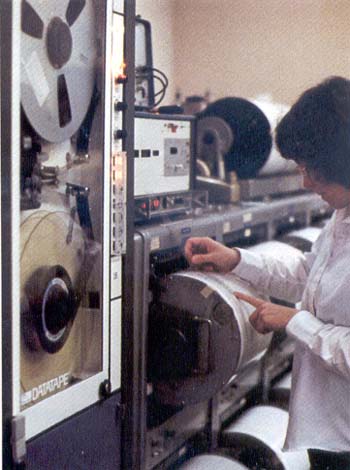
[(316, 134)]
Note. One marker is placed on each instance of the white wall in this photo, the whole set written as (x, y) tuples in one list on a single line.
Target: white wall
[(249, 47)]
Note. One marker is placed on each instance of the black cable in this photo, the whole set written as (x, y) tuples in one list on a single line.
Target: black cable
[(151, 72), (162, 95), (164, 86), (160, 73)]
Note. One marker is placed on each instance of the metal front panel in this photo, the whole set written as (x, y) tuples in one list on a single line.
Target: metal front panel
[(118, 154), (60, 217), (118, 6), (9, 87), (1, 317), (156, 444), (162, 155), (118, 192), (89, 441)]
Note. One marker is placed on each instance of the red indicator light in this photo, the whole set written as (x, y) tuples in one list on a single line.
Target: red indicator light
[(173, 127), (156, 203)]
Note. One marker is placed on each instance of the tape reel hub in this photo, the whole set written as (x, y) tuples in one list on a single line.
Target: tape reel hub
[(51, 310), (57, 307), (59, 43)]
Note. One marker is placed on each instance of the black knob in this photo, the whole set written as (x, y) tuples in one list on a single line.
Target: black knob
[(120, 134), (120, 106), (105, 388)]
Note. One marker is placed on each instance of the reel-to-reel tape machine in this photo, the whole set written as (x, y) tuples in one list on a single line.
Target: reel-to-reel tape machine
[(65, 179), (61, 309)]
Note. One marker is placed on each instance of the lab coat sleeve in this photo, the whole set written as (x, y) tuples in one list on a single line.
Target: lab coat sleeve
[(329, 342), (282, 278)]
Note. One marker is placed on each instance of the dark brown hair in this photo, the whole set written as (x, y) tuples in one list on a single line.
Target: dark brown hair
[(316, 131)]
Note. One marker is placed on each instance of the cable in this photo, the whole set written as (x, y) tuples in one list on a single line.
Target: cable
[(160, 73), (155, 74), (164, 86), (160, 93)]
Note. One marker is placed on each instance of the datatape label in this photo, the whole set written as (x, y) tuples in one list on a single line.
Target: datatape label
[(44, 389)]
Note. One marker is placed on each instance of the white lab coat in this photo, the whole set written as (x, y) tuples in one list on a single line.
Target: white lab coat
[(319, 412)]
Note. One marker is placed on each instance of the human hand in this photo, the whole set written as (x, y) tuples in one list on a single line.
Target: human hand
[(267, 316), (209, 255)]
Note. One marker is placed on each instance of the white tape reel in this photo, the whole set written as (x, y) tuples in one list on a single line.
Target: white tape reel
[(58, 52)]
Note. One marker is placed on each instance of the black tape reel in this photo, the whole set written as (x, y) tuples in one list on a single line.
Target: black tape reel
[(251, 129)]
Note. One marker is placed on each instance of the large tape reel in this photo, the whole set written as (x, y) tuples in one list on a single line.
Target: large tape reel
[(251, 129), (274, 112), (54, 327), (58, 51), (256, 438), (277, 249), (200, 336), (302, 239), (210, 461)]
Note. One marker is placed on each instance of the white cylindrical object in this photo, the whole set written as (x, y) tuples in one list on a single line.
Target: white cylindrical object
[(310, 234), (200, 336), (274, 112), (302, 239), (264, 428), (56, 92), (210, 462), (252, 344), (276, 249)]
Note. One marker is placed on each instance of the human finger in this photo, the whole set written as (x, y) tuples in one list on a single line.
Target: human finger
[(255, 321), (248, 298), (253, 318), (195, 246), (208, 267), (258, 323), (203, 259)]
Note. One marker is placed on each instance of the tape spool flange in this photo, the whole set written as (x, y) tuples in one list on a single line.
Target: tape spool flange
[(51, 340), (58, 52)]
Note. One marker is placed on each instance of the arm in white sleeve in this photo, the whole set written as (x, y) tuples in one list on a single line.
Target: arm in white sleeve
[(284, 279), (330, 343)]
